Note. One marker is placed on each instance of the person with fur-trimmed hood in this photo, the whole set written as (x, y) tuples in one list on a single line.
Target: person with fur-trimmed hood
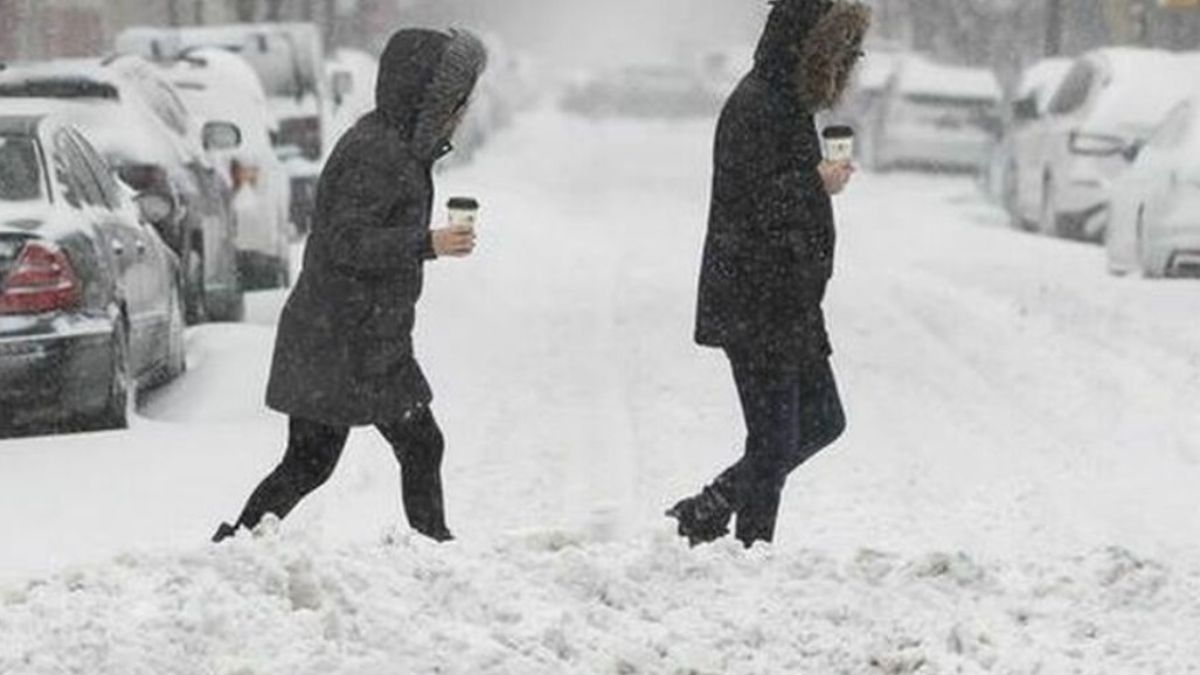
[(344, 353), (768, 256)]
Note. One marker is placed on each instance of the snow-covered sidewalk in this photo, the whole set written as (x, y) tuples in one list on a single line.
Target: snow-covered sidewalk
[(1015, 492)]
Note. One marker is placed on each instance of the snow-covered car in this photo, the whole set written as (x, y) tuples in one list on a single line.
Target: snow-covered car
[(1030, 102), (351, 74), (862, 107), (644, 91), (937, 116), (1107, 104), (141, 127), (218, 85), (1155, 225), (91, 306), (289, 59)]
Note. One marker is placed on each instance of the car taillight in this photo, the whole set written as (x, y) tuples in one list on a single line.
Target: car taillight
[(42, 280), (243, 175)]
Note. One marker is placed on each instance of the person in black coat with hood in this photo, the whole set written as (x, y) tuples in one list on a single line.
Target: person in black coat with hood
[(768, 256), (343, 353)]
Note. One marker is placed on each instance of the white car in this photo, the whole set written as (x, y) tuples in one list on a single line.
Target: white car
[(219, 85), (1107, 104), (289, 59), (937, 116), (351, 74), (1155, 227)]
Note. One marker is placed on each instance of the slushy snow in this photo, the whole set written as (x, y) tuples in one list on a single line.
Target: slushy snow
[(1015, 493)]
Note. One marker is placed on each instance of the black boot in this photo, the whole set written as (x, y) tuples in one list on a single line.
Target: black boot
[(703, 518), (225, 531)]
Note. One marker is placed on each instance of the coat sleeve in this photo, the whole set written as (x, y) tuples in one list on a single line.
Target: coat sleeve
[(366, 230)]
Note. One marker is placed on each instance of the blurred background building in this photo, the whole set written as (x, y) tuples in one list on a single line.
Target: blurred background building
[(1004, 34)]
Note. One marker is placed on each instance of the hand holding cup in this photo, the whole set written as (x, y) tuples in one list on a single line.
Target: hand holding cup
[(457, 240)]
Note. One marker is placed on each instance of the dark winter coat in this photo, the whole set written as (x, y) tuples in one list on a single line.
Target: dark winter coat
[(343, 354), (769, 250)]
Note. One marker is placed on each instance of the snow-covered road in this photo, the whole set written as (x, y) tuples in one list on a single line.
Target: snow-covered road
[(1007, 400)]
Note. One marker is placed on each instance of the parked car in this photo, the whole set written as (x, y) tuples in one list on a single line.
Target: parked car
[(936, 116), (351, 74), (289, 59), (91, 302), (143, 130), (220, 86), (863, 106), (1155, 225), (1107, 104), (644, 91), (1030, 101)]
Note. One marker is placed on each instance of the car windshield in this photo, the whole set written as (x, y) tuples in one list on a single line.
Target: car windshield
[(20, 179)]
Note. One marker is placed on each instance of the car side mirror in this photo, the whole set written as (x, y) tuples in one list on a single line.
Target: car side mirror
[(221, 136), (155, 208), (343, 86)]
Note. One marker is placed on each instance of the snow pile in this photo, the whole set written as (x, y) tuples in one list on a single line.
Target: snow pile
[(553, 602)]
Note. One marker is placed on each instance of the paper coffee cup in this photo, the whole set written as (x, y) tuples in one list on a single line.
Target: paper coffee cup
[(464, 211), (839, 143)]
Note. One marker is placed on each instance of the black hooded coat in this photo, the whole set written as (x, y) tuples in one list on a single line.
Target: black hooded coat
[(343, 353), (768, 255)]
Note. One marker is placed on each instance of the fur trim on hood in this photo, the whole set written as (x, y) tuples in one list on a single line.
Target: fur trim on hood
[(813, 45)]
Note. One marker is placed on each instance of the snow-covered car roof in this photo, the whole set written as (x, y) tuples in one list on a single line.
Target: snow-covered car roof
[(220, 85), (29, 109), (920, 76), (1141, 87)]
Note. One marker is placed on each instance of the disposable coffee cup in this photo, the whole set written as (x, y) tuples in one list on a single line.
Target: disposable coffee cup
[(464, 212), (839, 143)]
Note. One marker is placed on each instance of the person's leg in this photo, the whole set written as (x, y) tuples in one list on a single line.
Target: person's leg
[(312, 453), (770, 399), (419, 445), (792, 415)]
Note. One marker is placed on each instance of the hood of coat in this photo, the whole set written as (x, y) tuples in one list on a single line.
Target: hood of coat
[(425, 76), (812, 46)]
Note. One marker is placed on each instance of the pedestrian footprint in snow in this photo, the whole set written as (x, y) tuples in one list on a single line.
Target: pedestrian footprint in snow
[(344, 354), (768, 257)]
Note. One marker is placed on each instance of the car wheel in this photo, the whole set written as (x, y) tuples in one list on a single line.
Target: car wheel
[(176, 346), (1048, 219), (115, 414), (193, 275), (1148, 269)]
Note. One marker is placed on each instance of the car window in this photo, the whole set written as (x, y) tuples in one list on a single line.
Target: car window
[(20, 170), (78, 178), (1073, 93), (110, 192), (164, 103)]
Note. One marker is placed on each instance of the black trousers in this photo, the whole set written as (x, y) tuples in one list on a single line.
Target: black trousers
[(791, 414), (312, 454)]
